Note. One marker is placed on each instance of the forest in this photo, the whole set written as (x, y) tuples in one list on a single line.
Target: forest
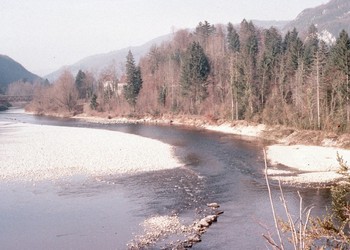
[(230, 72)]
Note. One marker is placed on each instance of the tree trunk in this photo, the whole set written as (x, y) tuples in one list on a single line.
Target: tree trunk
[(347, 99), (318, 92), (262, 90)]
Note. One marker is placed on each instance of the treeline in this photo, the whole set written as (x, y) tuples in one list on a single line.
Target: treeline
[(233, 73)]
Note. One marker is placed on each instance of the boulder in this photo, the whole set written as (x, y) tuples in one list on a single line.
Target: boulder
[(203, 223), (195, 238), (213, 205), (211, 218)]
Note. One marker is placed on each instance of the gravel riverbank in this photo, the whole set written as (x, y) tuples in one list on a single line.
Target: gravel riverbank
[(295, 157), (37, 152)]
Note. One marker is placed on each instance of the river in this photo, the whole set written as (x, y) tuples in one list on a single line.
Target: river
[(106, 214)]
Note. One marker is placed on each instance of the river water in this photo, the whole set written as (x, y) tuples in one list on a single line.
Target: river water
[(106, 214)]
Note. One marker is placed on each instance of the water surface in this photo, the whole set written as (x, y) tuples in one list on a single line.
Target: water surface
[(106, 213)]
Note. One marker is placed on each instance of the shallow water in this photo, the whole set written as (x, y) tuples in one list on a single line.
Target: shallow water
[(106, 213)]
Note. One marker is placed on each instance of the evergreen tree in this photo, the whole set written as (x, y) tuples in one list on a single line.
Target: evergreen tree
[(341, 53), (203, 32), (194, 74), (269, 60), (81, 84), (133, 80), (234, 46), (232, 38), (311, 47), (162, 95), (293, 68), (249, 51), (341, 61), (293, 48), (93, 102)]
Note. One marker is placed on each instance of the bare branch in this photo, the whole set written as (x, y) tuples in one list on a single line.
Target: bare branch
[(271, 202)]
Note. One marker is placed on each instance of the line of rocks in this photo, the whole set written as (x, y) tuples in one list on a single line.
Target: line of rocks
[(171, 234), (201, 226)]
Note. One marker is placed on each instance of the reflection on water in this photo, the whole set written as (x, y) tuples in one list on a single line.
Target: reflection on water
[(106, 211)]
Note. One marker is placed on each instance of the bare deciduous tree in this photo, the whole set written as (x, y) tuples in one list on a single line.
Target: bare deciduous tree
[(66, 92)]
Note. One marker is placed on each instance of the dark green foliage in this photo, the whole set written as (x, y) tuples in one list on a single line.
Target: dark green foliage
[(273, 43), (249, 40), (194, 74), (248, 57), (272, 52), (93, 102), (5, 106), (244, 73), (80, 83), (134, 80), (269, 62), (341, 53), (204, 31), (293, 48), (163, 92), (233, 38), (311, 47)]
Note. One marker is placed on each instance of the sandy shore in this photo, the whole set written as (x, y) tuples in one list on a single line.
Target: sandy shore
[(36, 152)]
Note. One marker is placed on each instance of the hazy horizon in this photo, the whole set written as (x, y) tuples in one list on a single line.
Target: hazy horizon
[(46, 35)]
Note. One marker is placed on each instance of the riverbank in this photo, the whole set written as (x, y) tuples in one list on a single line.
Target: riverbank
[(37, 152), (295, 156)]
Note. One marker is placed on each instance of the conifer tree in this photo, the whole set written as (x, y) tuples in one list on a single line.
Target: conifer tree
[(133, 80), (249, 51), (341, 60), (204, 31), (194, 74), (269, 60), (232, 38), (80, 84), (234, 47), (311, 47)]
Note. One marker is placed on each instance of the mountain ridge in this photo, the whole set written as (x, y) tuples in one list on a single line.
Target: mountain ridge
[(99, 62), (331, 17), (12, 71)]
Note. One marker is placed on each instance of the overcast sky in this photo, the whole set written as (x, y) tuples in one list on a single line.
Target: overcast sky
[(44, 35)]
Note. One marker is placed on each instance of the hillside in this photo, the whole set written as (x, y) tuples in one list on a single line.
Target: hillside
[(267, 24), (117, 58), (12, 71), (329, 19)]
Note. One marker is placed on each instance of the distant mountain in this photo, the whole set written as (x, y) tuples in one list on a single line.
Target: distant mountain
[(272, 23), (12, 71), (96, 63), (329, 18)]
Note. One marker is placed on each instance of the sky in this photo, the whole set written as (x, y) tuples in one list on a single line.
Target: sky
[(44, 35)]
